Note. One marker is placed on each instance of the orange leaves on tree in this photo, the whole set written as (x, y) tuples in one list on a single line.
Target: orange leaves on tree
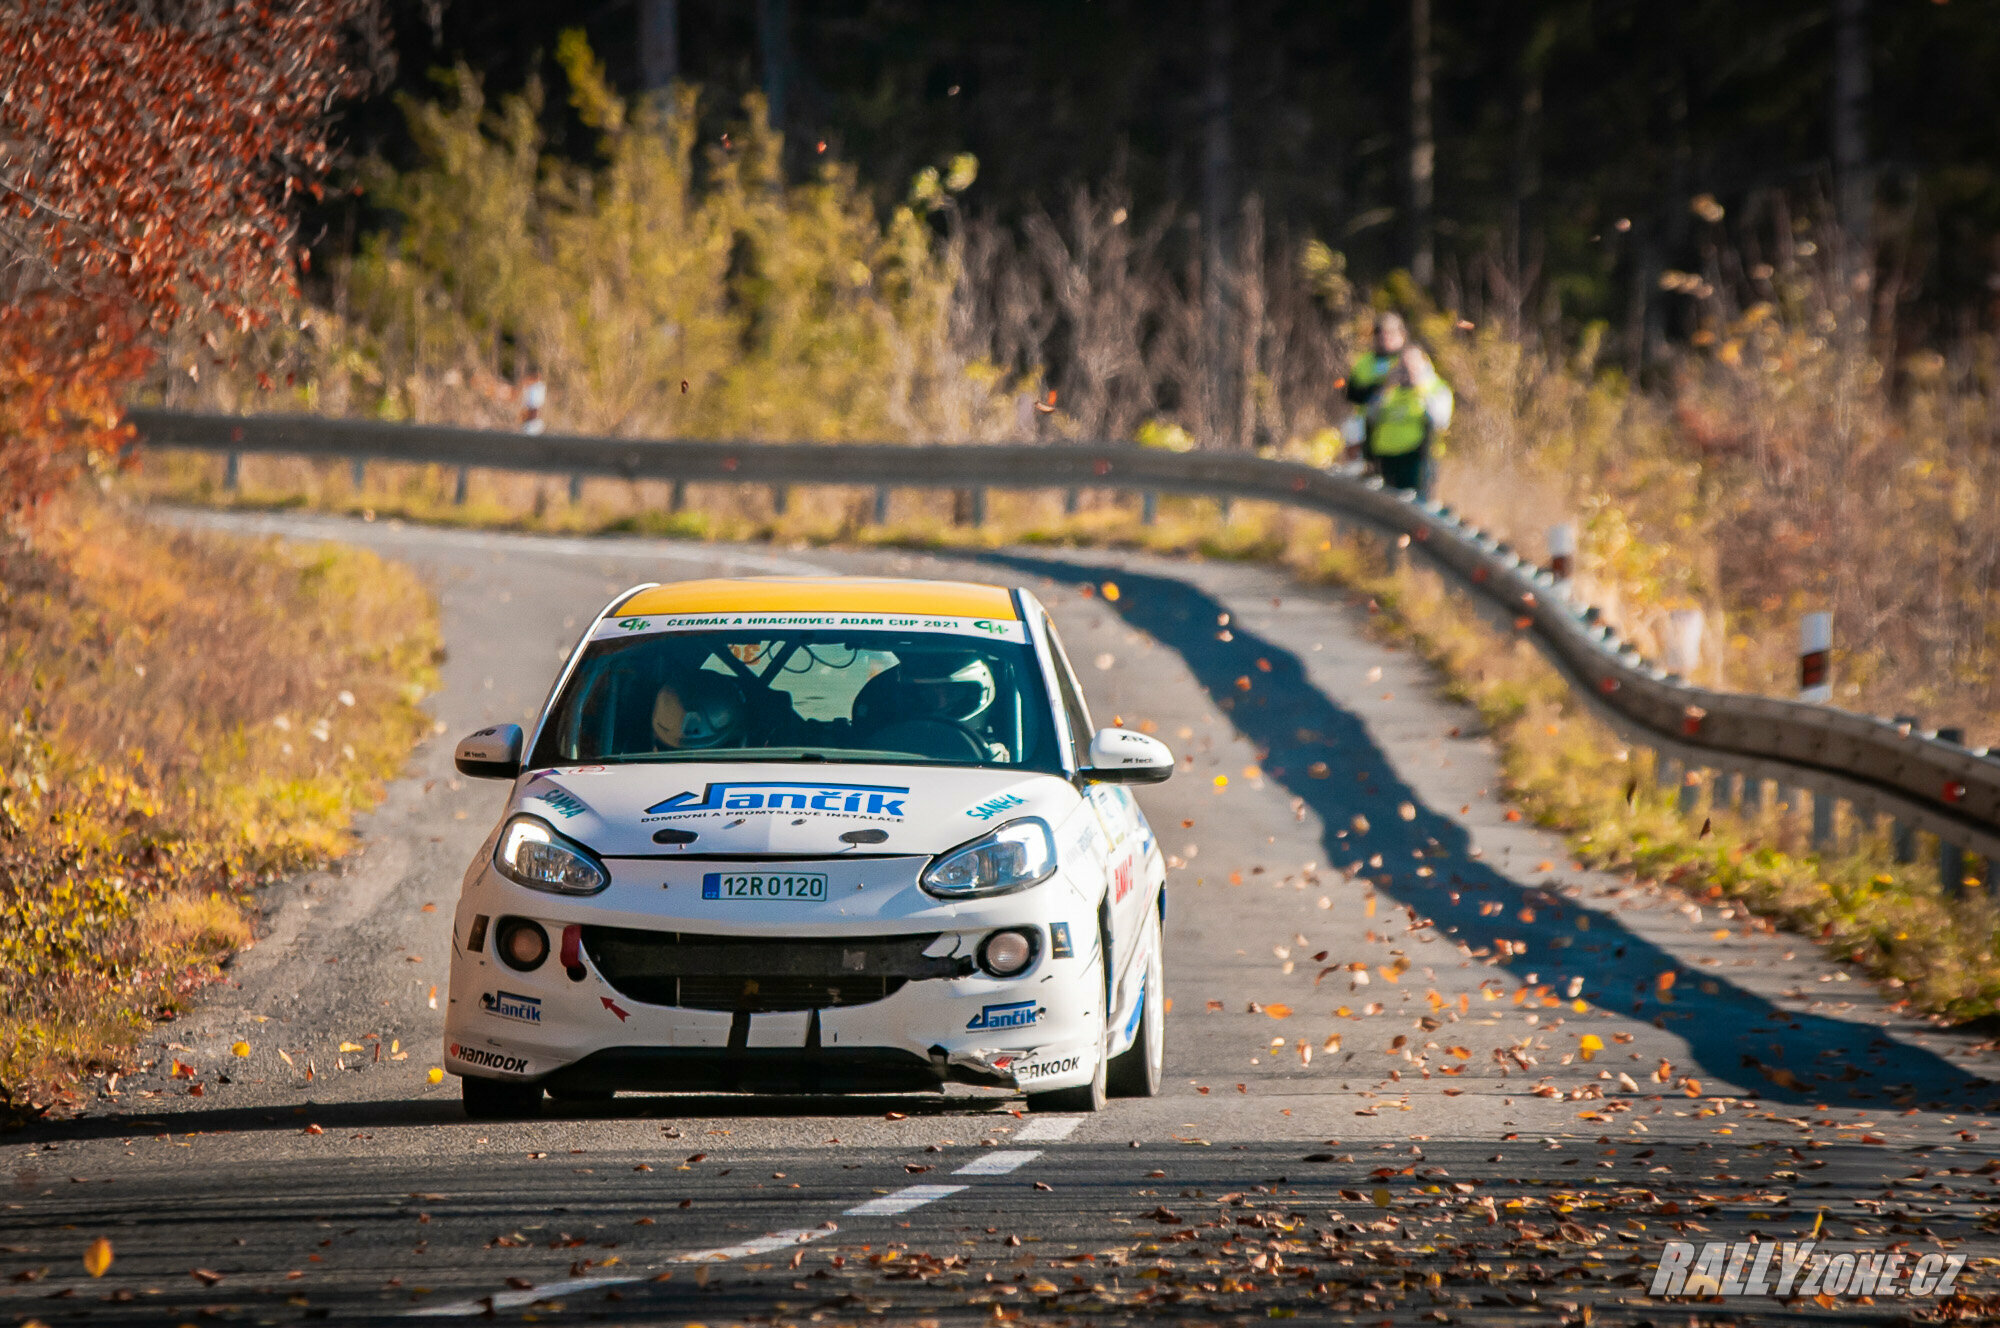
[(152, 156)]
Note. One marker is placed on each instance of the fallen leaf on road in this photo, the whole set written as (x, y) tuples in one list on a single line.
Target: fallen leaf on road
[(240, 1049), (1278, 1011), (436, 1075), (97, 1259), (205, 1276)]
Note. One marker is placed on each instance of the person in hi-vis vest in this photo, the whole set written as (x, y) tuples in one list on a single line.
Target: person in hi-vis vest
[(1402, 404)]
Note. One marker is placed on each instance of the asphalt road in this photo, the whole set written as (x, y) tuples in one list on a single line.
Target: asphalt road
[(1449, 1140)]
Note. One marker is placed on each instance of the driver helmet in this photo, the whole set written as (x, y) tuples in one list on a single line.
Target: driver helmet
[(953, 685), (700, 712)]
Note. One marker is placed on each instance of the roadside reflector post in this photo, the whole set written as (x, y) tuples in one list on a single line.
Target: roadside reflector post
[(881, 504), (458, 489), (1227, 506), (1562, 553), (1951, 857), (1683, 652), (1149, 508), (678, 498), (357, 472), (232, 472), (534, 395), (575, 489), (1815, 658), (1069, 502), (780, 498), (979, 506)]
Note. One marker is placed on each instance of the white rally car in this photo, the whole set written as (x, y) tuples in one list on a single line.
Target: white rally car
[(812, 835)]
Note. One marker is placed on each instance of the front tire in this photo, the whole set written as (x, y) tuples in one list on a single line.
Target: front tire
[(498, 1099), (1140, 1070)]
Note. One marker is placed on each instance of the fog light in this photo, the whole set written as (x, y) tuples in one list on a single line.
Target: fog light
[(1006, 953), (522, 944)]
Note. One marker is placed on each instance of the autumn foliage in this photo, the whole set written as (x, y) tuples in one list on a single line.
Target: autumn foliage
[(150, 159)]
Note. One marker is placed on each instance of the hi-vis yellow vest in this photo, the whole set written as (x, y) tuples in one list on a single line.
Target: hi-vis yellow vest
[(1399, 418)]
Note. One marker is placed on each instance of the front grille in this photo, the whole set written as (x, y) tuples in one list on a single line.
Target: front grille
[(735, 973)]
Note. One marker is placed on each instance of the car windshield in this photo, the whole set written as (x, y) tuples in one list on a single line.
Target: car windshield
[(819, 694)]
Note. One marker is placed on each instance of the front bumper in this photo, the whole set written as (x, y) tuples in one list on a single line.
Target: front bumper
[(876, 989)]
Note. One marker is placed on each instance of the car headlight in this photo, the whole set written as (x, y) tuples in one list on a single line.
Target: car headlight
[(1014, 857), (531, 854)]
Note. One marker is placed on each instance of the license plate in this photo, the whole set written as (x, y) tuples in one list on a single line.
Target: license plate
[(758, 885)]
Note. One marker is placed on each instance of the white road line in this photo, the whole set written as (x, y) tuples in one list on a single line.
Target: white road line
[(902, 1201), (888, 1205), (507, 1300), (1047, 1129), (1000, 1163)]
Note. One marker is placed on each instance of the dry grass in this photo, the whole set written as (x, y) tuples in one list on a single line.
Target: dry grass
[(1570, 772), (187, 716)]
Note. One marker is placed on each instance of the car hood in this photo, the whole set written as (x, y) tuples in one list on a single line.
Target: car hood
[(794, 810)]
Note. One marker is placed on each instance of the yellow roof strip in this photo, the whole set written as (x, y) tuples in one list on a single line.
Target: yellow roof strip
[(824, 594)]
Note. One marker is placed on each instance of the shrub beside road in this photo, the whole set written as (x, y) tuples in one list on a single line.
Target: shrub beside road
[(186, 717)]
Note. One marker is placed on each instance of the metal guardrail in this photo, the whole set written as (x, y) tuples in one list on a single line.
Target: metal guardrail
[(1882, 767)]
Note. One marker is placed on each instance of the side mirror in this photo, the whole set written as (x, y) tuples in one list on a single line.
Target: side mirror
[(493, 753), (1120, 756)]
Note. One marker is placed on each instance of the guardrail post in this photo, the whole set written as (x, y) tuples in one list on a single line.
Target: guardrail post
[(1905, 834), (1815, 658), (1951, 857), (979, 506), (575, 489), (458, 490), (1069, 502), (1824, 823), (881, 504), (677, 499), (1690, 795), (357, 472), (781, 498), (232, 472), (1227, 505), (1149, 508)]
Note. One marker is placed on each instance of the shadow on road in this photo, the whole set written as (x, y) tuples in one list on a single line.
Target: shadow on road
[(1733, 1033), (391, 1113)]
